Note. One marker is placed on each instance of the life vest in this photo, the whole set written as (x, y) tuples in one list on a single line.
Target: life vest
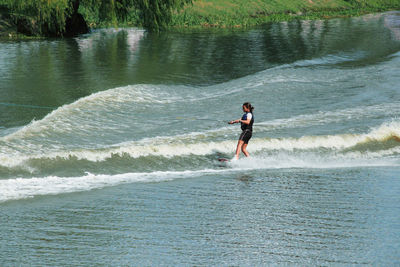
[(244, 126)]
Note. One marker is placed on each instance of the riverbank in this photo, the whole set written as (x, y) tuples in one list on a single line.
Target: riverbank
[(7, 28), (9, 31), (232, 14), (109, 146), (239, 13)]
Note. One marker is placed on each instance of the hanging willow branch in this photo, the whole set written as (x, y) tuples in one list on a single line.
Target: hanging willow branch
[(50, 16), (46, 15)]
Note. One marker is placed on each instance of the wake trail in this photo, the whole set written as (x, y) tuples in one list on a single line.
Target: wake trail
[(384, 139)]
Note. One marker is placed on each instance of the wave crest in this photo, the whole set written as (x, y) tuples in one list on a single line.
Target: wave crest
[(375, 140)]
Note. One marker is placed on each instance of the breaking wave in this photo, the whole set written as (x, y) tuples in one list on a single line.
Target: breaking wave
[(381, 141)]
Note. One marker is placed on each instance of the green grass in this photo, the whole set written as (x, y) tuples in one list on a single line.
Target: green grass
[(211, 13), (242, 13)]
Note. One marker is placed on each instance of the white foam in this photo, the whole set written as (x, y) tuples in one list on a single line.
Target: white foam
[(331, 59), (172, 146), (71, 118), (326, 117), (83, 119), (20, 188), (67, 117), (134, 150), (284, 160)]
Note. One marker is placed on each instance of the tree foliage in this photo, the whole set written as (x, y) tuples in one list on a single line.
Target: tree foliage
[(51, 16), (46, 15)]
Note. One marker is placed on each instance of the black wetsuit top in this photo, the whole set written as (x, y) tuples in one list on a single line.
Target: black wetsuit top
[(248, 127)]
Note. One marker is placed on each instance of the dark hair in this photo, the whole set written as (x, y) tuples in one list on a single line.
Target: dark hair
[(248, 105)]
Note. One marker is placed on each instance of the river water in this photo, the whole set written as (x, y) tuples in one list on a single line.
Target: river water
[(109, 146)]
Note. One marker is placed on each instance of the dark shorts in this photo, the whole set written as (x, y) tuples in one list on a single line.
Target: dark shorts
[(245, 136)]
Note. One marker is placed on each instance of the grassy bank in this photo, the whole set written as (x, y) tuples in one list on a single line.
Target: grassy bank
[(216, 13), (242, 13), (8, 30)]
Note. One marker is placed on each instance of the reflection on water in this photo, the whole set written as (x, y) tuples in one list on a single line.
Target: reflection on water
[(131, 174), (54, 72), (392, 22)]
